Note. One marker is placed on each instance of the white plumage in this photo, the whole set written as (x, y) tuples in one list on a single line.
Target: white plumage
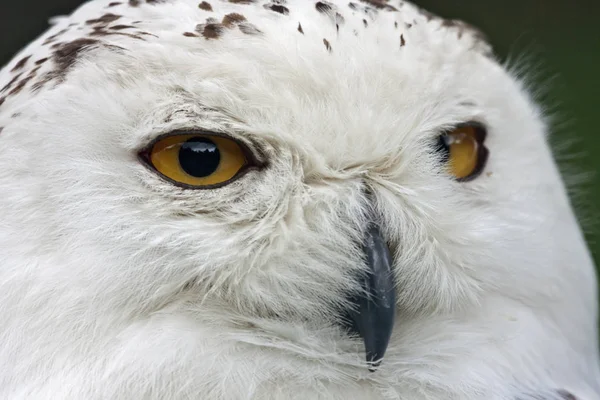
[(116, 283)]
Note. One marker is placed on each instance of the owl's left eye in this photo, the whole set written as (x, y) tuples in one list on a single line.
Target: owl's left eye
[(464, 151), (198, 161)]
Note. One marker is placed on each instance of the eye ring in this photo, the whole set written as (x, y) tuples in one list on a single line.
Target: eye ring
[(177, 138), (463, 149)]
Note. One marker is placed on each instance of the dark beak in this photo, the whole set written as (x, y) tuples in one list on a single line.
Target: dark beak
[(372, 316)]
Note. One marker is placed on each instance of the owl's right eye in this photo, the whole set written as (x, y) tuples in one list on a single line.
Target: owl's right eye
[(197, 160)]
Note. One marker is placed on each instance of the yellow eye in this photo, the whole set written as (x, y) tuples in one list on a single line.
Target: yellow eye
[(464, 151), (197, 160)]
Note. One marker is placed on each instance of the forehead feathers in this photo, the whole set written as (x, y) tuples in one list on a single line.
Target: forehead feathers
[(340, 29)]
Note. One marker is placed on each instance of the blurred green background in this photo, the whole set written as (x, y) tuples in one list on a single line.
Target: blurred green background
[(558, 39), (558, 43)]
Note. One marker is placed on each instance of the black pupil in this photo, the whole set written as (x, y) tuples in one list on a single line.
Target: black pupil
[(199, 157), (443, 148)]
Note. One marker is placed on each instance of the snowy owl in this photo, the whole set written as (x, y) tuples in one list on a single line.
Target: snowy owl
[(292, 199)]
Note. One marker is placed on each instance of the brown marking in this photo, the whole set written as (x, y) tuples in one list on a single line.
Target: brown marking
[(20, 85), (402, 41), (19, 65), (41, 61), (121, 27), (205, 6), (50, 39), (34, 71), (242, 1), (353, 6), (113, 4), (323, 6), (327, 45), (100, 31), (300, 28), (566, 395), (464, 27), (249, 29), (278, 8), (232, 19), (12, 82), (105, 19), (47, 77), (67, 55), (211, 31), (380, 4), (146, 33), (189, 34), (134, 3)]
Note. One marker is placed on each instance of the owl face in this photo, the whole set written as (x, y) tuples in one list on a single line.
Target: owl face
[(219, 164)]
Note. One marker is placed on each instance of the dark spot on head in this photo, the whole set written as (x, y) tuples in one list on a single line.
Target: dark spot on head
[(19, 65), (146, 33), (113, 4), (402, 41), (380, 4), (408, 26), (189, 34), (395, 24), (353, 6), (464, 27), (50, 39), (365, 23), (34, 71), (300, 28), (101, 31), (231, 19), (47, 77), (249, 29), (67, 54), (566, 395), (12, 81), (211, 31), (323, 6), (20, 85), (121, 27), (278, 8), (205, 6), (327, 45), (105, 19)]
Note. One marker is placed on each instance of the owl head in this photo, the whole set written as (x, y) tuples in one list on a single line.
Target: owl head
[(238, 199)]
